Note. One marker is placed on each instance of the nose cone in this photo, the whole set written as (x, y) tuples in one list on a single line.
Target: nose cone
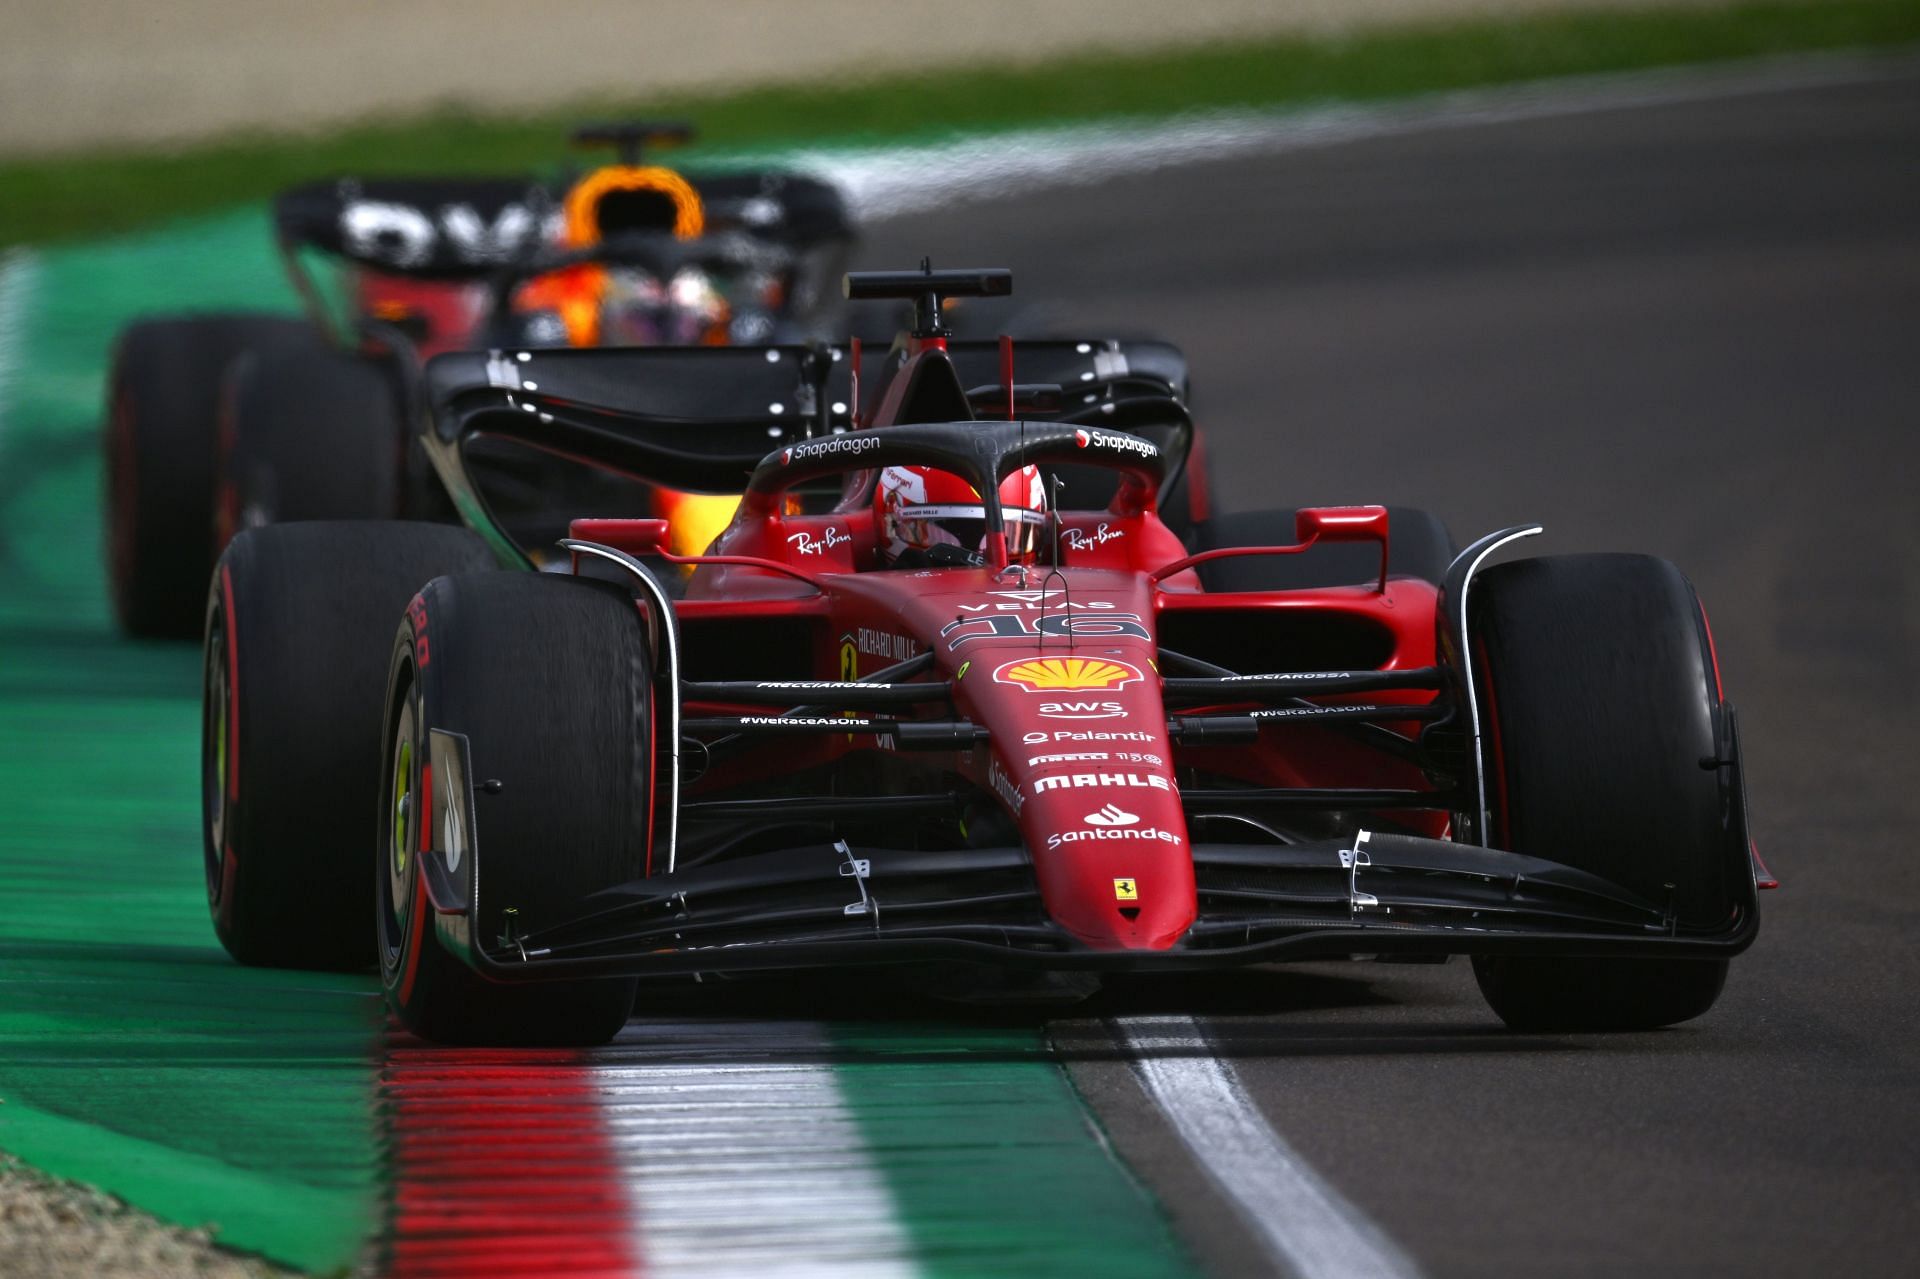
[(1109, 847), (1084, 735)]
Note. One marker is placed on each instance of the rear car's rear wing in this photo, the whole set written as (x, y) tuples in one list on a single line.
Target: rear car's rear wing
[(433, 228), (467, 228)]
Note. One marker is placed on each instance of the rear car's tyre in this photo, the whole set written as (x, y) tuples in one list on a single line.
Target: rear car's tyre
[(311, 433), (1418, 545), (163, 402), (299, 619), (550, 681), (1599, 703)]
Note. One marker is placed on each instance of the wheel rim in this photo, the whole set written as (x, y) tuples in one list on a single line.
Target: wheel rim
[(213, 757), (400, 818)]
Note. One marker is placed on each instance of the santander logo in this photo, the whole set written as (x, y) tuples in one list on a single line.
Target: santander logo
[(1111, 815)]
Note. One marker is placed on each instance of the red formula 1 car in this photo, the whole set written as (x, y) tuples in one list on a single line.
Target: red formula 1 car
[(910, 707)]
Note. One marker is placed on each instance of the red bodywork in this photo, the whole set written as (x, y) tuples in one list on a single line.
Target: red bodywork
[(1060, 668)]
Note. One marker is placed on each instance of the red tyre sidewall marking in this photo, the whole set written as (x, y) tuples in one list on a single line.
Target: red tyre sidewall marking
[(1713, 654), (416, 939), (233, 691), (229, 864)]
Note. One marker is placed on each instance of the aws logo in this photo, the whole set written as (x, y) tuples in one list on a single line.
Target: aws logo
[(1067, 674), (1081, 710)]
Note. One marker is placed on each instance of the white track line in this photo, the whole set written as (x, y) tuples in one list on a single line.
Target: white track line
[(19, 272), (887, 182), (747, 1164), (1308, 1227)]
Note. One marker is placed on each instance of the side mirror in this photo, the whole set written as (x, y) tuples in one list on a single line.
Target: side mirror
[(1345, 524), (1341, 524), (635, 537)]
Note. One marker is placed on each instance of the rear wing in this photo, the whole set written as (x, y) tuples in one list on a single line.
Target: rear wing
[(694, 418), (434, 228), (781, 393), (700, 419), (467, 228)]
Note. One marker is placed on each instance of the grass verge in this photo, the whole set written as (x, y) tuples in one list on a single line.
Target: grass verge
[(87, 194)]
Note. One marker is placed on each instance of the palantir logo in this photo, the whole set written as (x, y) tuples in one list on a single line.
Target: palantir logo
[(1110, 815)]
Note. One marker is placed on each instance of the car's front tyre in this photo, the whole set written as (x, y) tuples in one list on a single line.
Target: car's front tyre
[(1602, 722), (549, 681)]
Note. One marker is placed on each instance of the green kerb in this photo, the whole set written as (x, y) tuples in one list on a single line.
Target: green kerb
[(134, 1055)]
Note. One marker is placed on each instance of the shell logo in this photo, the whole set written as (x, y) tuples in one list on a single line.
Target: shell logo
[(1066, 674)]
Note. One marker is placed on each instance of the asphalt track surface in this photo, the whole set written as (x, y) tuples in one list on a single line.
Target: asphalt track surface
[(1692, 330)]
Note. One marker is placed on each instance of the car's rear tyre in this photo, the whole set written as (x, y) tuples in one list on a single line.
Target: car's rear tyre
[(299, 618), (549, 679), (1418, 545), (311, 433), (1599, 703), (163, 403)]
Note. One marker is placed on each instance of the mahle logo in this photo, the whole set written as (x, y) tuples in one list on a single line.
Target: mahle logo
[(1067, 674)]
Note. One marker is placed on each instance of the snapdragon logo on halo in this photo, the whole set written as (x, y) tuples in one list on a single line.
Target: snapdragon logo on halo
[(855, 442), (1115, 442)]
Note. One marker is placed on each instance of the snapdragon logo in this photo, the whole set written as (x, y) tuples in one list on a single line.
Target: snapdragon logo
[(1116, 443), (853, 444)]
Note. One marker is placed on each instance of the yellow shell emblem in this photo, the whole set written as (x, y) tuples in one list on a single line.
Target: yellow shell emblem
[(1067, 674)]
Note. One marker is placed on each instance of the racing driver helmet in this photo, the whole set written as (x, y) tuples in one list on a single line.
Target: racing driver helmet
[(918, 509)]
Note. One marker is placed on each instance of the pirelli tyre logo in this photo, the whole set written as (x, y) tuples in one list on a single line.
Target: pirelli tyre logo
[(850, 445), (1067, 674), (1115, 442)]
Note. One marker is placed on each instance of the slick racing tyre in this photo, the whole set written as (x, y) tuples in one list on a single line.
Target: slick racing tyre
[(1598, 702), (1418, 545), (549, 680), (298, 622), (311, 433), (163, 402)]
